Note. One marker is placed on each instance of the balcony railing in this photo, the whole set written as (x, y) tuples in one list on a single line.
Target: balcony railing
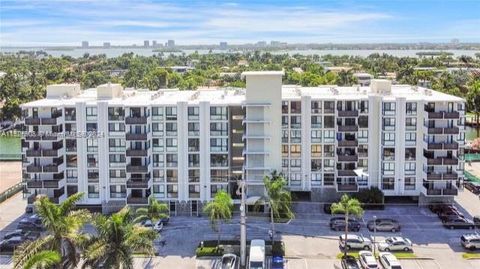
[(137, 200), (33, 137), (136, 152), (348, 143), (450, 145), (50, 152), (435, 115), (34, 184), (348, 187), (34, 168), (54, 184), (347, 158), (32, 121), (440, 191), (433, 130), (348, 113), (451, 130), (347, 128), (137, 183), (136, 120), (137, 168), (434, 145), (34, 153), (346, 173), (451, 115), (49, 121), (133, 136)]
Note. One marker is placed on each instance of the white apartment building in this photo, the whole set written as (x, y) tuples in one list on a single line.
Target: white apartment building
[(121, 146)]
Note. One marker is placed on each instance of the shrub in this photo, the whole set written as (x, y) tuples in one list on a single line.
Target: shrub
[(370, 198)]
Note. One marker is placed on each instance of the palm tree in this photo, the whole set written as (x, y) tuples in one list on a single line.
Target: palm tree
[(154, 211), (43, 259), (278, 198), (63, 226), (117, 239), (473, 101), (219, 210), (347, 206)]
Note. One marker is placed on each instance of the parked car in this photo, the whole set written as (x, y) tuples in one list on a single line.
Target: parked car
[(29, 225), (476, 221), (395, 244), (339, 225), (147, 223), (436, 207), (458, 223), (278, 262), (9, 245), (27, 235), (444, 216), (474, 187), (349, 262), (257, 254), (158, 226), (334, 219), (367, 260), (228, 261), (355, 242), (389, 261), (384, 225), (327, 208), (470, 241)]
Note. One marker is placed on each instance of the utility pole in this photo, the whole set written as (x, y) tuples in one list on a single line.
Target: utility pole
[(243, 226)]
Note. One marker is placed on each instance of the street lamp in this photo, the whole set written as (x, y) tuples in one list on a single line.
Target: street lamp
[(243, 225), (374, 232)]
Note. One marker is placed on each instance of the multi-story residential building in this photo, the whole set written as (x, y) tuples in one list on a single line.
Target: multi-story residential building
[(121, 146)]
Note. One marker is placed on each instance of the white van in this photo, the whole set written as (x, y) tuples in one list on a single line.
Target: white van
[(257, 254)]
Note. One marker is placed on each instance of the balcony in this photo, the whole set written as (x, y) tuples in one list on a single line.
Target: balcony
[(136, 120), (450, 161), (451, 115), (133, 136), (450, 176), (50, 152), (433, 130), (137, 200), (348, 113), (435, 115), (347, 158), (51, 168), (53, 184), (434, 176), (347, 128), (34, 168), (136, 152), (31, 199), (32, 121), (34, 153), (434, 161), (33, 137), (451, 191), (451, 130), (137, 168), (49, 121), (450, 145), (34, 184), (346, 173), (137, 183), (434, 145), (348, 143), (50, 137), (347, 187)]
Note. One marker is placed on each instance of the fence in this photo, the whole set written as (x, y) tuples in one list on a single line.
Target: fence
[(11, 192), (472, 157), (471, 177)]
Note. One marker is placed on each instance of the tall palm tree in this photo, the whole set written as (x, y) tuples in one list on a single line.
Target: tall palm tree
[(348, 206), (154, 211), (117, 239), (43, 259), (278, 198), (63, 226), (219, 210)]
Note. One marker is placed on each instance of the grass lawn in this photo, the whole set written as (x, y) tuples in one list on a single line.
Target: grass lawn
[(399, 255), (471, 256)]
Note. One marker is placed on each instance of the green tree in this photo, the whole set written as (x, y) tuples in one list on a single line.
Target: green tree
[(278, 198), (93, 79), (473, 101), (154, 211), (43, 259), (117, 239), (219, 210), (347, 206), (156, 78), (63, 226)]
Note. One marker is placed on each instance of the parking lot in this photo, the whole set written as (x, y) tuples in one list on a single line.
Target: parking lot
[(309, 241)]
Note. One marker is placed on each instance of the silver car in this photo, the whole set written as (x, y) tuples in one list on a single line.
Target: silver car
[(384, 225), (395, 244)]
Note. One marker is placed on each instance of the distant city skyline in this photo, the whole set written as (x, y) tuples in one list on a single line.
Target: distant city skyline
[(122, 22)]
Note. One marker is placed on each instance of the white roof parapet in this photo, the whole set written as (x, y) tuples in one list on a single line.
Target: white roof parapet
[(263, 73)]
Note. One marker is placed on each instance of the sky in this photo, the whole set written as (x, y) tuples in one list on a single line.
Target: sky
[(124, 22)]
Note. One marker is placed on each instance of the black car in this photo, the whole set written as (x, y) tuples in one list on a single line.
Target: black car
[(29, 225), (474, 187), (27, 235), (9, 245), (476, 221), (339, 225), (458, 223), (349, 262), (444, 216)]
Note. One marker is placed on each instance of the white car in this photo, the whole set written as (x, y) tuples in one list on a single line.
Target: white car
[(158, 226), (470, 241), (228, 261), (389, 261), (367, 260), (355, 242), (395, 244)]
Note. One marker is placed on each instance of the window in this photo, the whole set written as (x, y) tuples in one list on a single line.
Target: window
[(172, 191), (218, 113), (295, 179), (116, 144), (363, 122), (118, 191), (92, 160), (316, 179), (158, 160), (388, 168), (410, 183), (284, 121), (194, 175), (389, 154), (157, 129), (295, 163), (158, 175), (329, 136), (91, 127), (92, 145), (389, 124), (117, 174), (171, 144), (219, 160), (171, 129), (285, 107), (295, 150), (92, 175), (172, 160), (316, 107), (116, 113), (93, 191), (329, 122), (388, 183), (70, 114), (193, 113), (91, 113), (295, 122), (219, 144), (329, 106), (284, 150), (172, 176), (411, 124), (115, 127), (328, 151), (296, 136), (71, 160), (193, 191), (193, 129), (157, 113), (316, 136), (410, 137), (328, 165), (410, 154), (217, 175), (388, 139), (157, 144), (411, 108), (171, 113), (316, 165), (389, 108), (316, 122), (363, 136), (219, 129), (193, 144), (295, 107), (364, 106), (193, 160), (316, 150), (410, 168)]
